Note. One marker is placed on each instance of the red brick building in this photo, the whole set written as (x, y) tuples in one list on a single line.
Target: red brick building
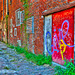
[(0, 10), (0, 19), (49, 28), (3, 13), (15, 17), (45, 36)]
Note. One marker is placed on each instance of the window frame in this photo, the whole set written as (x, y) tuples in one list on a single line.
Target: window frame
[(27, 27), (15, 32), (22, 12), (16, 12), (16, 16)]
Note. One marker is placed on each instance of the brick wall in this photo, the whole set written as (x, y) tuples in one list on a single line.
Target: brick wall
[(16, 4), (0, 18), (3, 23), (36, 9), (0, 10)]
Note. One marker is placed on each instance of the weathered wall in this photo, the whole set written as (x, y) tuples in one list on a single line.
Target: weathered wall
[(37, 9), (0, 17), (12, 8), (0, 10), (3, 22)]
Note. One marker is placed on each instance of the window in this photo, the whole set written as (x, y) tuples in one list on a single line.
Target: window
[(10, 25), (15, 31), (19, 17), (0, 26), (11, 28), (22, 17), (30, 25), (10, 1), (19, 42)]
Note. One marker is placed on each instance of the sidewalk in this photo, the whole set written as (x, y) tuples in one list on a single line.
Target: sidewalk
[(12, 63)]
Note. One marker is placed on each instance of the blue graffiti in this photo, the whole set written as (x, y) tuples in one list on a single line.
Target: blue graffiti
[(63, 36), (50, 53), (66, 33), (67, 28), (46, 42)]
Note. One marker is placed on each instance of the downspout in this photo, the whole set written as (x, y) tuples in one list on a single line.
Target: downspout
[(3, 9), (7, 18)]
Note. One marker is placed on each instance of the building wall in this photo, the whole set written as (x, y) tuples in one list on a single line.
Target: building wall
[(12, 8), (37, 10), (0, 17), (64, 50), (3, 33), (0, 10)]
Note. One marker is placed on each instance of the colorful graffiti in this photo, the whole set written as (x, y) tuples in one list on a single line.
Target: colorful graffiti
[(61, 44)]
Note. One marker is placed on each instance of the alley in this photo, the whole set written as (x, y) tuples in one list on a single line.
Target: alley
[(12, 63)]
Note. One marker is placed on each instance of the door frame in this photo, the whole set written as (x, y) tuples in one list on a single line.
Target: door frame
[(45, 52)]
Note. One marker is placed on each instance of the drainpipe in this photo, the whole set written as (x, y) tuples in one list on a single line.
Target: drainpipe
[(3, 9), (7, 13)]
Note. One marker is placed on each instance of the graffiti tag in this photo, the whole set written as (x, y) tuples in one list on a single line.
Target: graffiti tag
[(61, 42)]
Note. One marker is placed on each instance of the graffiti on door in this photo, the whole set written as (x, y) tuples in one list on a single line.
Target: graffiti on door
[(59, 44)]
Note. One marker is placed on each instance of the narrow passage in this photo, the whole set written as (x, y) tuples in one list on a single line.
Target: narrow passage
[(12, 63)]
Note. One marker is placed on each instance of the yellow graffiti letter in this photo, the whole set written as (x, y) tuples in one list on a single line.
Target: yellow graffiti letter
[(62, 45)]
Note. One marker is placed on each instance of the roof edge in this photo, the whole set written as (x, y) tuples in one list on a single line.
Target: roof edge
[(58, 8)]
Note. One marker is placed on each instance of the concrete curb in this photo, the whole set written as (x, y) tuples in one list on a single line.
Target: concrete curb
[(56, 64)]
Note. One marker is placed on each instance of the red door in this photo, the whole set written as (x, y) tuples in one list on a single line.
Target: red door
[(63, 35)]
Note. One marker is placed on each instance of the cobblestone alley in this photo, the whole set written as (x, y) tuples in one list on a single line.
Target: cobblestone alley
[(12, 63)]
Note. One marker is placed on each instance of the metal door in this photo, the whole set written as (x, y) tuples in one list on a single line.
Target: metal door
[(47, 34)]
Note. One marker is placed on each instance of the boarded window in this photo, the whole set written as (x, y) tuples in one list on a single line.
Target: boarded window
[(30, 25)]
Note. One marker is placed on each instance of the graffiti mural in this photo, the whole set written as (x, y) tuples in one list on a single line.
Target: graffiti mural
[(62, 41)]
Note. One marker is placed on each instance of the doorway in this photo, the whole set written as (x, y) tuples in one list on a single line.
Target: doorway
[(47, 34)]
